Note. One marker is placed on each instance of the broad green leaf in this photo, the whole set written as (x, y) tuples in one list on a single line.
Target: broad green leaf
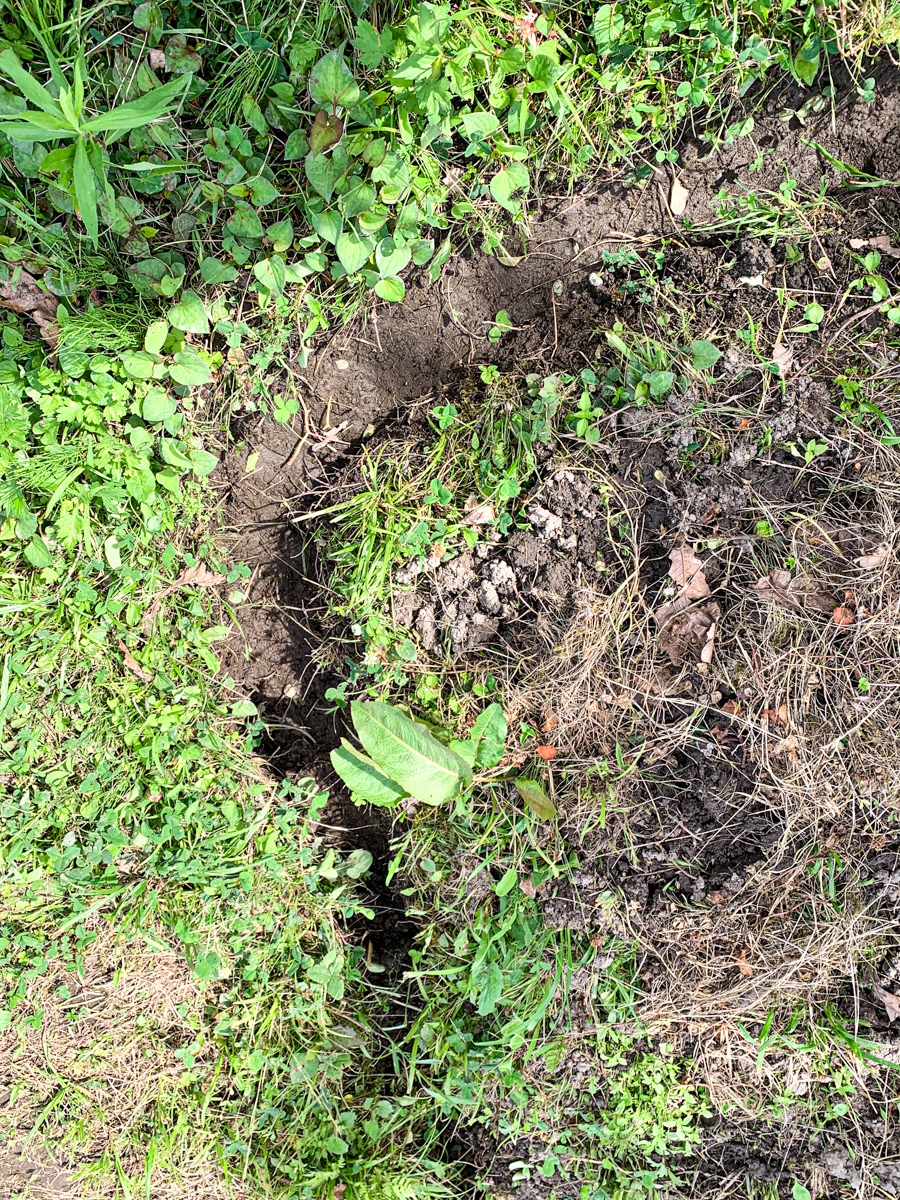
[(175, 453), (390, 288), (297, 145), (480, 124), (149, 17), (253, 115), (392, 171), (331, 82), (536, 799), (158, 406), (189, 369), (373, 218), (353, 251), (263, 191), (138, 363), (508, 180), (363, 777), (488, 982), (328, 225), (391, 258), (357, 200), (357, 863), (489, 736), (37, 554), (156, 334), (408, 754), (202, 462), (271, 274), (704, 354), (504, 886), (214, 271), (112, 552), (324, 170), (188, 314), (170, 479), (422, 250), (85, 190), (244, 222), (281, 234)]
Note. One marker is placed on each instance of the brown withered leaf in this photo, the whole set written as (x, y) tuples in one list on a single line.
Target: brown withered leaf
[(889, 1000), (157, 59), (783, 357), (547, 753), (796, 592), (132, 663), (685, 638), (740, 961), (687, 571), (198, 574), (678, 197), (843, 615), (23, 294), (871, 562), (550, 722)]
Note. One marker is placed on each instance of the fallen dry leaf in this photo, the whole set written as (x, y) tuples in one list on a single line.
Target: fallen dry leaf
[(740, 961), (527, 888), (778, 716), (889, 1000), (732, 707), (687, 571), (782, 357), (132, 663), (858, 243), (686, 638), (871, 562), (156, 59), (23, 294), (798, 592), (198, 574), (883, 243), (843, 616), (546, 752), (482, 515), (550, 723), (678, 197)]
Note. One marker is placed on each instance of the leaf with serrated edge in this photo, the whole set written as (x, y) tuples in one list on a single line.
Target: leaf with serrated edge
[(408, 753)]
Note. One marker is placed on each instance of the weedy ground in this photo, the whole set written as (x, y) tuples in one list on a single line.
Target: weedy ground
[(449, 355)]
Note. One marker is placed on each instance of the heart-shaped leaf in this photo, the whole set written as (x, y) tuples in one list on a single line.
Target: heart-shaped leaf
[(353, 251), (331, 82), (190, 369), (271, 274), (391, 258), (326, 130), (188, 314), (158, 406), (390, 288), (214, 271), (328, 225)]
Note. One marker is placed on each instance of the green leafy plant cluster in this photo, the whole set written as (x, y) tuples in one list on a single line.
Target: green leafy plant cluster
[(91, 458), (404, 760)]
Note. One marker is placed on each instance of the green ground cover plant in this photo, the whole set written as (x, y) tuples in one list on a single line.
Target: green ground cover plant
[(185, 188)]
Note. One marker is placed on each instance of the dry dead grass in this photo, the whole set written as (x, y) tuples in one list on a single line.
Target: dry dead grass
[(91, 1079)]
